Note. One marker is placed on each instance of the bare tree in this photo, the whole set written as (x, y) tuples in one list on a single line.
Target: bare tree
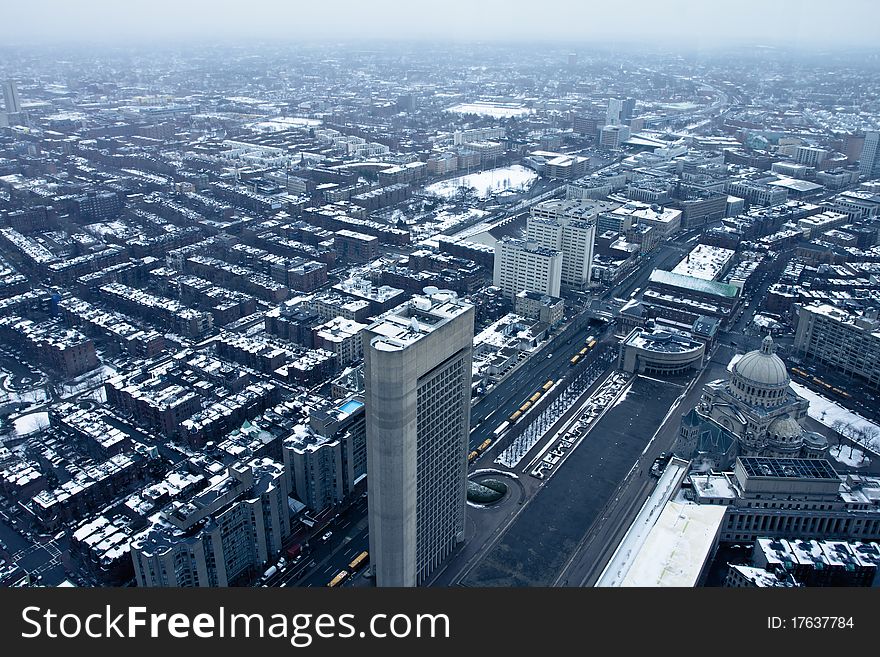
[(868, 437), (871, 434), (837, 428), (856, 438)]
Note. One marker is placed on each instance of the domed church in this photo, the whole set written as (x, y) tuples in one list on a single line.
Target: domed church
[(753, 413)]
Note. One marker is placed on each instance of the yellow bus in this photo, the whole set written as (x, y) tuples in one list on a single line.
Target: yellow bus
[(525, 406), (359, 561), (591, 343), (535, 397), (484, 445), (548, 385), (575, 359), (339, 579), (472, 456), (515, 416), (583, 351)]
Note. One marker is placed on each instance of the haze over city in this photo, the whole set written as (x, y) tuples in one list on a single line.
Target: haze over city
[(806, 24)]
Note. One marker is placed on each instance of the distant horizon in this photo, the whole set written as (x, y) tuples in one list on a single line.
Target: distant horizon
[(634, 46), (682, 24)]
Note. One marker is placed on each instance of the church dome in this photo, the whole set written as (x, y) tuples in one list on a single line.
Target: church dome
[(763, 367), (785, 429)]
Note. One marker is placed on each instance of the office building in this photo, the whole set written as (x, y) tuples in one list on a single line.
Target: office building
[(222, 536), (612, 116), (839, 339), (325, 459), (705, 262), (666, 220), (539, 306), (10, 97), (525, 265), (568, 226), (787, 497), (418, 360), (584, 124), (672, 540), (627, 110), (810, 156), (756, 192), (869, 162), (613, 136), (683, 298), (660, 353)]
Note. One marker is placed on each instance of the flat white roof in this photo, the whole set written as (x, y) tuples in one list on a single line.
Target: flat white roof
[(704, 261), (713, 485), (796, 185), (677, 546), (668, 542)]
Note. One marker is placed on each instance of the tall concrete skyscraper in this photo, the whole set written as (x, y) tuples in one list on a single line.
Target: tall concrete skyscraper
[(417, 375), (10, 97), (869, 162), (627, 110)]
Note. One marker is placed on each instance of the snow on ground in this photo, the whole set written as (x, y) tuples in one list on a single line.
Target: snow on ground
[(495, 471), (827, 412), (841, 453), (87, 381), (284, 123), (445, 220), (27, 424), (539, 426), (36, 396), (486, 182), (687, 105), (490, 109), (622, 397)]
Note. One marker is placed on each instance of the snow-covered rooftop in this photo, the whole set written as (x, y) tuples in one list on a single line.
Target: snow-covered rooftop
[(677, 546), (705, 262)]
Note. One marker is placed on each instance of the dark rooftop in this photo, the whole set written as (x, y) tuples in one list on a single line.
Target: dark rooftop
[(759, 466)]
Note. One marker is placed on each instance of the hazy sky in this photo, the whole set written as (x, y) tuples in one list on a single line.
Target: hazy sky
[(692, 22)]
